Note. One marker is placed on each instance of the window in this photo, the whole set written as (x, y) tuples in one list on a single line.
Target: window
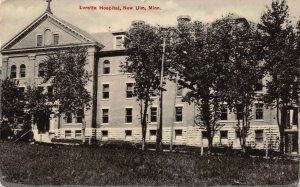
[(55, 39), (129, 90), (68, 118), (224, 113), (78, 134), (152, 135), (13, 71), (128, 134), (119, 41), (104, 134), (153, 114), (106, 67), (204, 134), (128, 117), (22, 70), (39, 40), (178, 114), (259, 111), (105, 94), (259, 136), (223, 134), (50, 91), (178, 134), (41, 70), (105, 115), (179, 90), (68, 134), (79, 116), (259, 85), (240, 112)]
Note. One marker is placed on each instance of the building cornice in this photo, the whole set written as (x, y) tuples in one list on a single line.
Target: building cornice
[(120, 52), (47, 48)]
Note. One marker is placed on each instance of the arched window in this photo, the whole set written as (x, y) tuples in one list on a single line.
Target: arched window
[(13, 71), (22, 70), (106, 67), (48, 37), (41, 70)]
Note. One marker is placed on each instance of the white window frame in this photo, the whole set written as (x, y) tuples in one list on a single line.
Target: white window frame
[(152, 122), (255, 105), (36, 40), (102, 90), (101, 116), (126, 83), (56, 33), (182, 119), (115, 41), (128, 107)]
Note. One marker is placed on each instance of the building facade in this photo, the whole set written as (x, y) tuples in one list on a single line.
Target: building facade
[(114, 114)]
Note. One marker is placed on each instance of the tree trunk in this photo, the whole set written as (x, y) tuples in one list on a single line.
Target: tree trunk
[(282, 126), (143, 143), (83, 130), (210, 144), (159, 130), (206, 121), (144, 123)]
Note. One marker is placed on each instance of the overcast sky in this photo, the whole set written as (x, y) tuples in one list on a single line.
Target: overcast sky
[(17, 14)]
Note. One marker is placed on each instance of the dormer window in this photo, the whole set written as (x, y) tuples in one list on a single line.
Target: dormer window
[(119, 41), (55, 39), (39, 40)]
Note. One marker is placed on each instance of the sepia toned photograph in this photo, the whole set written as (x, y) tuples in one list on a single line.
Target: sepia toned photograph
[(149, 93)]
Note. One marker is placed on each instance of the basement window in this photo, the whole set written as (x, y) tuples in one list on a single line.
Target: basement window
[(224, 134), (78, 134), (68, 134), (104, 135), (128, 134), (178, 134), (259, 136), (204, 134), (152, 135)]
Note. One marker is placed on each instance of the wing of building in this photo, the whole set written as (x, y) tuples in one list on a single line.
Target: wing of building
[(114, 114)]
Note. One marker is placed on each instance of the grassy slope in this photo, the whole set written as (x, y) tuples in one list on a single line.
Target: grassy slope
[(40, 164)]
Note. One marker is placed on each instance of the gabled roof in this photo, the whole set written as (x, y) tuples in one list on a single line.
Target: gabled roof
[(79, 32), (107, 39)]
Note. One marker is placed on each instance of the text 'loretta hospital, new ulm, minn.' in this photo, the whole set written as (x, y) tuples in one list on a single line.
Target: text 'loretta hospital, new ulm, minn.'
[(119, 8)]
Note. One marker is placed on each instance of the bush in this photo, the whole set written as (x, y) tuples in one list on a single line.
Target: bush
[(6, 133)]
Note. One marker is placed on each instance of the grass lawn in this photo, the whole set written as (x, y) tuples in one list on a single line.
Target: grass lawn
[(58, 165)]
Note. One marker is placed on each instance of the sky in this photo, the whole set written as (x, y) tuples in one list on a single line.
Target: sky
[(15, 15)]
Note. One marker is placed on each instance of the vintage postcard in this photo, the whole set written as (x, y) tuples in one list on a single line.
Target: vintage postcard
[(149, 92)]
